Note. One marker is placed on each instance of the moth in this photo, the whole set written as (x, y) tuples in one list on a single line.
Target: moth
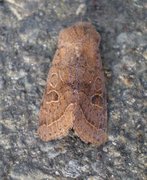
[(75, 94)]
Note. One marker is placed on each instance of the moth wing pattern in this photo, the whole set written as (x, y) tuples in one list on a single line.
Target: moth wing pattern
[(75, 95), (91, 122), (56, 114)]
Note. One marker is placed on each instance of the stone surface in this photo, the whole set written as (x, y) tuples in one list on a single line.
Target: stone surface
[(28, 39)]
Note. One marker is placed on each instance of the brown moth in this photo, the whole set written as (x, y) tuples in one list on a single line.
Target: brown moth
[(75, 95)]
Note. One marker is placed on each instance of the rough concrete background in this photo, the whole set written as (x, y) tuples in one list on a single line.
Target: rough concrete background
[(28, 39)]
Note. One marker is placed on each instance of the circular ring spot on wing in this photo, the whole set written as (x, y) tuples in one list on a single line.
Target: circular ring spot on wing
[(53, 79), (52, 96), (98, 83), (97, 100)]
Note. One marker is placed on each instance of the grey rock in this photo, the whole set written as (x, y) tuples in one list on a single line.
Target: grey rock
[(28, 39)]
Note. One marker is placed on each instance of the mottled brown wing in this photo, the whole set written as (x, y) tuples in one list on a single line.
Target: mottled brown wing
[(56, 112), (91, 119), (75, 95)]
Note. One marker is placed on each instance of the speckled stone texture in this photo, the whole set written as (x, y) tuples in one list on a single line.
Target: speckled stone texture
[(28, 39)]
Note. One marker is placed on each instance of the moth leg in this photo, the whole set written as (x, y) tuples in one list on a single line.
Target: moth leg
[(58, 128), (88, 132)]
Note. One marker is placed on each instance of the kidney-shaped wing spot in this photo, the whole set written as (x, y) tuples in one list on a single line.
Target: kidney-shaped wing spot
[(52, 96), (97, 100)]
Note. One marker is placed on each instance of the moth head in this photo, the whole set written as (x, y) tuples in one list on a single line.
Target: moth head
[(79, 33)]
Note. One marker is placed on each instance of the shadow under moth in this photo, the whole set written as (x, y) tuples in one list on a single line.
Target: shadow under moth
[(75, 95)]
